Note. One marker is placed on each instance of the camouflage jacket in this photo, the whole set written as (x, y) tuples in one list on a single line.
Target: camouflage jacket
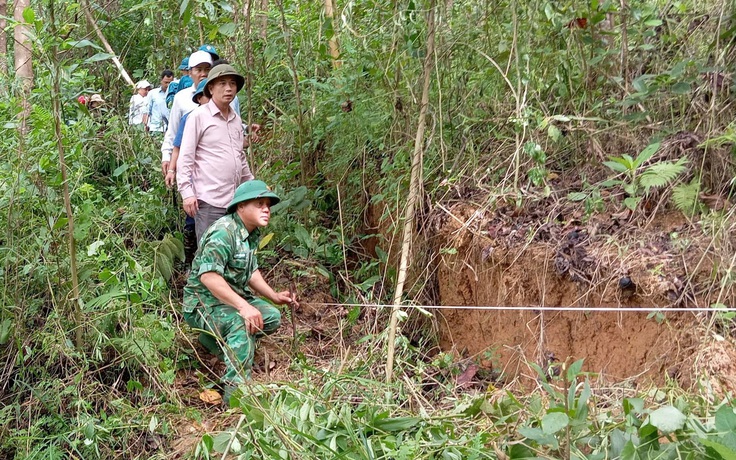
[(228, 249)]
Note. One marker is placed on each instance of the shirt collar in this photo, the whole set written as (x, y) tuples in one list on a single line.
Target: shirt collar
[(214, 110), (244, 233)]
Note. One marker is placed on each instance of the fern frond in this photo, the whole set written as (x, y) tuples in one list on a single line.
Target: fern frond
[(685, 197), (661, 174)]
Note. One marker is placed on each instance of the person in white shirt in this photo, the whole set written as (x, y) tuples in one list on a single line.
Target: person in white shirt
[(138, 103), (157, 116), (200, 63)]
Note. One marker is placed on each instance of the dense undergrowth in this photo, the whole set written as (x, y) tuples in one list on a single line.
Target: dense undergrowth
[(522, 93)]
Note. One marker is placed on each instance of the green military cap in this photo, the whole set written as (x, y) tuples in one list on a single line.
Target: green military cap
[(250, 191)]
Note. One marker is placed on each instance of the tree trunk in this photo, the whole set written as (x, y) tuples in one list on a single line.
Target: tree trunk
[(334, 48), (23, 63), (91, 20), (415, 192), (3, 38), (263, 16)]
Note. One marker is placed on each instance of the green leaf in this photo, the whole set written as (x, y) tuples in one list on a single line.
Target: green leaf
[(120, 169), (185, 11), (681, 88), (265, 240), (640, 84), (616, 166), (631, 202), (646, 154), (535, 434), (164, 266), (83, 44), (574, 370), (726, 453), (98, 57), (653, 23), (554, 133), (661, 174), (686, 197), (577, 196), (395, 424), (28, 15), (6, 327), (554, 422), (633, 405), (726, 419), (667, 419), (228, 29)]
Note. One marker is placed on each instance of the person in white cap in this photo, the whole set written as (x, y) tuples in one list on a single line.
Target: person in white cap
[(138, 103), (200, 63)]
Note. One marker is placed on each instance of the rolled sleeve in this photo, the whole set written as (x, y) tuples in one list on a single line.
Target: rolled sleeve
[(215, 252)]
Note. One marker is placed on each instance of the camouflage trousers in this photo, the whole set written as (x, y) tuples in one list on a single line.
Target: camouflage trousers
[(225, 336)]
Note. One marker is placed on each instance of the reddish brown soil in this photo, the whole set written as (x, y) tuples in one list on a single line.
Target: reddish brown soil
[(498, 263)]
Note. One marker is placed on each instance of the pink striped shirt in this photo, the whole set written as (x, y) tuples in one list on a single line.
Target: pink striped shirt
[(211, 162)]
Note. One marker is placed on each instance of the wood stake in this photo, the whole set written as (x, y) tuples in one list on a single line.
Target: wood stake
[(414, 193)]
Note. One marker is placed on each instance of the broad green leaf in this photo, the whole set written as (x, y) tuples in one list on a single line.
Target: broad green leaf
[(265, 240), (83, 44), (185, 11), (667, 419), (120, 169), (640, 84), (646, 154), (726, 453), (228, 29), (574, 370), (28, 15), (653, 23), (554, 133), (395, 424), (94, 247), (631, 203), (725, 419), (616, 166), (539, 436), (98, 57), (6, 327), (635, 405), (220, 442), (681, 88), (554, 422)]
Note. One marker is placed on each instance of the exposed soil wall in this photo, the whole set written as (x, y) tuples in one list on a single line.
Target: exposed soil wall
[(571, 269)]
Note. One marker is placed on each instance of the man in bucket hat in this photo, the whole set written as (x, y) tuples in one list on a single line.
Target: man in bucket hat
[(220, 298), (211, 163)]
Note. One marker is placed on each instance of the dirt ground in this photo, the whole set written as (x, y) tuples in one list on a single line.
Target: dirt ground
[(502, 259)]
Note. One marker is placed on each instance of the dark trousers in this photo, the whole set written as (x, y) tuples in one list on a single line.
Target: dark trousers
[(206, 215)]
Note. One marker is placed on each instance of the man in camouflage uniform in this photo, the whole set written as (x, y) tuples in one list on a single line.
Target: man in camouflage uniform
[(220, 295)]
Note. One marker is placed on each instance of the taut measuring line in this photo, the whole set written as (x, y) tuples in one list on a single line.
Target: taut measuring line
[(529, 308)]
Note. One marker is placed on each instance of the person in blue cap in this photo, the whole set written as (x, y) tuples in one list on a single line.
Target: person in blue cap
[(210, 49), (177, 85)]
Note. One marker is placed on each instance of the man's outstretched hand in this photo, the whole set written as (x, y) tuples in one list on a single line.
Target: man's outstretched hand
[(285, 298)]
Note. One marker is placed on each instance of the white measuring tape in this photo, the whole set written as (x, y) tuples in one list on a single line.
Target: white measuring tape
[(529, 308)]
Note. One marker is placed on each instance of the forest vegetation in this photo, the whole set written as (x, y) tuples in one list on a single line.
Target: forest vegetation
[(382, 121)]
